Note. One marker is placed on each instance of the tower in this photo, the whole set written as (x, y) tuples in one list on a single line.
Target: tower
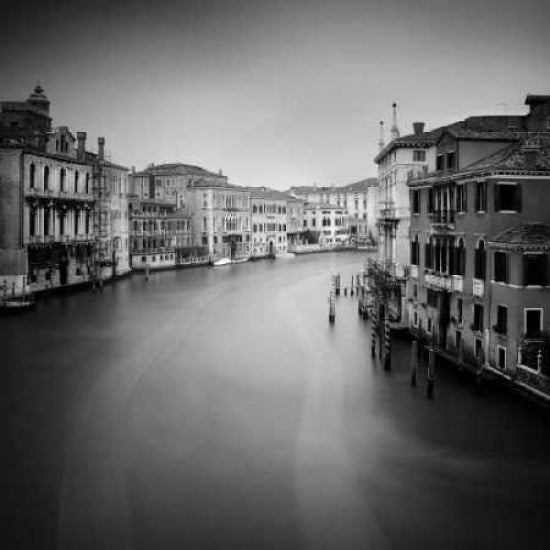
[(394, 129)]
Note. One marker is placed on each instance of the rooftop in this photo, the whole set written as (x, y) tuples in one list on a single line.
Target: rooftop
[(176, 168)]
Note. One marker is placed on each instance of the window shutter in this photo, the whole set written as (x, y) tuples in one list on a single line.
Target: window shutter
[(465, 199), (452, 260), (497, 197), (518, 198), (544, 270)]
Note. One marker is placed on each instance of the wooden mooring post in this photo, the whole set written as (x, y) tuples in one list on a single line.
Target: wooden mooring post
[(387, 342), (431, 373), (331, 307), (414, 364)]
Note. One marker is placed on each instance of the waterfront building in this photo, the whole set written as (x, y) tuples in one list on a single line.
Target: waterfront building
[(295, 221), (220, 214), (479, 242), (357, 200), (269, 222), (62, 216), (161, 233), (326, 223)]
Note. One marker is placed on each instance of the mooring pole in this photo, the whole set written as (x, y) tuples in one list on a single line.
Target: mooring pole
[(431, 373), (351, 292), (387, 342), (414, 364), (373, 338), (331, 308)]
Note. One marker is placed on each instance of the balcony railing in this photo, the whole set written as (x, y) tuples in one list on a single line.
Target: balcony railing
[(438, 281), (442, 217), (457, 283)]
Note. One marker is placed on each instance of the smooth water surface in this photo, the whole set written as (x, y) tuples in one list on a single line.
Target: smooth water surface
[(216, 408)]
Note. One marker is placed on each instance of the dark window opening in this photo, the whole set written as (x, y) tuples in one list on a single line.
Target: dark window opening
[(451, 160), (502, 320), (415, 201), (501, 267), (481, 196), (533, 322), (440, 162), (479, 261), (419, 155), (478, 317), (461, 198), (535, 269), (507, 197)]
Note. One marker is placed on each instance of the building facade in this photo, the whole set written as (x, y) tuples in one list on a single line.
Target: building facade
[(269, 218), (478, 252), (327, 221), (63, 217)]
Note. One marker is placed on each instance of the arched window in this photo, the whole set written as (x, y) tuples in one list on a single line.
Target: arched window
[(254, 209), (32, 175), (62, 222), (46, 178), (76, 175), (414, 251), (62, 178), (32, 221), (479, 260), (47, 217), (255, 228), (87, 188), (460, 258)]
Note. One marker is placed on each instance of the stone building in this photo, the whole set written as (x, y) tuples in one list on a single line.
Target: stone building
[(62, 214), (479, 255), (328, 221), (221, 218), (269, 222), (357, 200), (295, 221), (160, 233)]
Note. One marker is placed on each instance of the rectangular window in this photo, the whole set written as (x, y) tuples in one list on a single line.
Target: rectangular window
[(479, 349), (419, 155), (431, 205), (461, 197), (458, 340), (535, 269), (415, 200), (533, 323), (501, 267), (481, 196), (432, 298), (478, 317), (501, 357), (440, 162), (451, 160), (459, 310), (507, 197), (502, 320)]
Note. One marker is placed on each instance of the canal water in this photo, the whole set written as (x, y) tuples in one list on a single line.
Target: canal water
[(216, 408)]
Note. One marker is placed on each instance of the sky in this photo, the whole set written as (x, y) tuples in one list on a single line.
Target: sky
[(275, 93)]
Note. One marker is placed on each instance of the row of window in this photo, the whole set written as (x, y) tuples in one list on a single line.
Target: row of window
[(63, 184), (259, 228), (507, 198), (268, 209), (79, 222)]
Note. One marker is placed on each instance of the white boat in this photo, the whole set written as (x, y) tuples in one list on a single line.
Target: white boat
[(222, 261)]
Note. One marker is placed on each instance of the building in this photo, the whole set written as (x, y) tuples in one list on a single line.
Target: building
[(269, 222), (328, 222), (161, 234), (478, 240), (295, 221), (63, 218), (170, 182), (221, 218), (357, 200)]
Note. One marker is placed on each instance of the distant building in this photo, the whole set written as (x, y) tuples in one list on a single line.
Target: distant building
[(161, 234), (327, 221), (269, 219), (357, 200), (63, 214), (295, 221), (478, 284), (221, 223)]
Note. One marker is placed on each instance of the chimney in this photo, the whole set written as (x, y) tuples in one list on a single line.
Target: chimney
[(381, 138), (418, 128), (81, 150), (394, 129), (101, 148)]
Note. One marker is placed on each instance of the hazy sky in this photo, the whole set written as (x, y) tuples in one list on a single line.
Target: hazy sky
[(275, 92)]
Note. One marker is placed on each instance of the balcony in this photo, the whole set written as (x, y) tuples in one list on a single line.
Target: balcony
[(478, 288), (442, 221), (438, 281), (457, 284), (414, 271)]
